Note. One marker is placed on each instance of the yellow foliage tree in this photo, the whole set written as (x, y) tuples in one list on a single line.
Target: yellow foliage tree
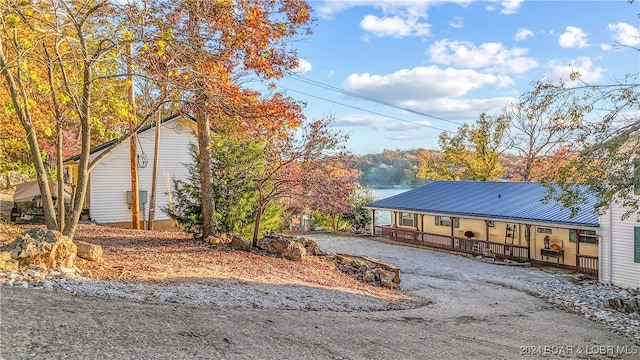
[(473, 153)]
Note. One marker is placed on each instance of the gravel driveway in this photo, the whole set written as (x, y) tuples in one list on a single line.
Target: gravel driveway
[(472, 310)]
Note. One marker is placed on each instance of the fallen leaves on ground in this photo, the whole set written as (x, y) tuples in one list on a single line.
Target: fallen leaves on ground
[(160, 256)]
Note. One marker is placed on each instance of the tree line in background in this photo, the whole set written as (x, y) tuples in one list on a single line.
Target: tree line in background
[(568, 136)]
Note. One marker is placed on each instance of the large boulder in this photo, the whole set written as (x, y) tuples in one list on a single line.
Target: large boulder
[(285, 247), (240, 243), (42, 247), (88, 251)]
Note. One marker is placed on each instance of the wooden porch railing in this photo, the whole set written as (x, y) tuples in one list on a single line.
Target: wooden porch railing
[(588, 265), (453, 243)]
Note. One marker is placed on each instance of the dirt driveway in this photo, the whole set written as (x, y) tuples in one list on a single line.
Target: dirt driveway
[(471, 315)]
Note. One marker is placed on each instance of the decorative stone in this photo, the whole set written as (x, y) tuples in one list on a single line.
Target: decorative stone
[(386, 280), (42, 247), (240, 243), (216, 240), (88, 251), (369, 277), (296, 252), (281, 246), (10, 264)]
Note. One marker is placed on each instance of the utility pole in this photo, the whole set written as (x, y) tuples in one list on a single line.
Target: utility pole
[(154, 180), (133, 151)]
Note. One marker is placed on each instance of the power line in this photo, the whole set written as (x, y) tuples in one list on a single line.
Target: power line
[(364, 97), (365, 110)]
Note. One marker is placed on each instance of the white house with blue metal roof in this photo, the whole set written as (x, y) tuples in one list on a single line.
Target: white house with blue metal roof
[(508, 219)]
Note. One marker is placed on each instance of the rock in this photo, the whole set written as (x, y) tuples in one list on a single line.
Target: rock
[(311, 243), (386, 279), (369, 276), (10, 264), (217, 240), (88, 251), (34, 274), (6, 262), (68, 273), (240, 243), (5, 255), (281, 246), (296, 252), (86, 273), (315, 251), (43, 247), (488, 253)]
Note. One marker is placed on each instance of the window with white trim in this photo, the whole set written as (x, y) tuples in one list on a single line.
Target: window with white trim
[(408, 219), (446, 221)]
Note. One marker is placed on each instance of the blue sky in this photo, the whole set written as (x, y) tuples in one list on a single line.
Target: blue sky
[(450, 60)]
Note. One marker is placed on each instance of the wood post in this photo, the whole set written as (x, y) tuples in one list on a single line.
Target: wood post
[(133, 151), (154, 179)]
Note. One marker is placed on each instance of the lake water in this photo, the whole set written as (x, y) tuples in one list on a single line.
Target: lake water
[(384, 217)]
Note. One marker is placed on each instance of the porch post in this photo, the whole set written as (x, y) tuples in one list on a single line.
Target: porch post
[(527, 237), (486, 230), (373, 222), (453, 220), (577, 248)]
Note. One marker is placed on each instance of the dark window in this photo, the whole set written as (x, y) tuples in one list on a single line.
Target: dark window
[(585, 236), (446, 221), (636, 244)]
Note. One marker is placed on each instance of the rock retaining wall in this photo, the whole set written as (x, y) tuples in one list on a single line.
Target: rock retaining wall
[(367, 270)]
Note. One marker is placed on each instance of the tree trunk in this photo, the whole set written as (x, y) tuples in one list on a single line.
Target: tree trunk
[(59, 166), (85, 150), (256, 226), (25, 118), (206, 175)]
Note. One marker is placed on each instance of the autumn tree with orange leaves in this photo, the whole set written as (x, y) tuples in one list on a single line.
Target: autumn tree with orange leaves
[(197, 50)]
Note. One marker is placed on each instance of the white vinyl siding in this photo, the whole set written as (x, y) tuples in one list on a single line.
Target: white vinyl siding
[(111, 178), (617, 249)]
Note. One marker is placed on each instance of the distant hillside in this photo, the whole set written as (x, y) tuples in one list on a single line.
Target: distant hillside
[(392, 168)]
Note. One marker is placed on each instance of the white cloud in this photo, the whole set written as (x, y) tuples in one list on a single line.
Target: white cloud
[(420, 83), (493, 57), (395, 26), (523, 34), (625, 34), (511, 6), (462, 109), (573, 37), (377, 122), (457, 22), (328, 8), (303, 67), (582, 65)]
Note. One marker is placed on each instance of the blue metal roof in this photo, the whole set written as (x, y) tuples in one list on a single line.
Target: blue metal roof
[(521, 201)]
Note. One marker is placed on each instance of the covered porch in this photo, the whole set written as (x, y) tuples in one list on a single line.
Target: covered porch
[(585, 264), (453, 243)]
